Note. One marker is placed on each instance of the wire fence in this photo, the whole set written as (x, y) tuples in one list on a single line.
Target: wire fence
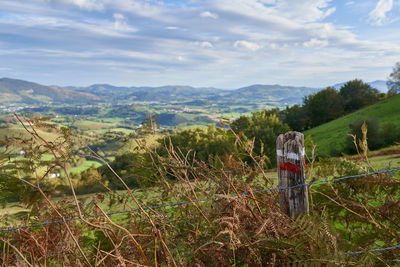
[(11, 229)]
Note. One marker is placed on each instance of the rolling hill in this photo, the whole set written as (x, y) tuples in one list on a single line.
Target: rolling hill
[(284, 95), (23, 92), (273, 94), (168, 93), (332, 135), (19, 91)]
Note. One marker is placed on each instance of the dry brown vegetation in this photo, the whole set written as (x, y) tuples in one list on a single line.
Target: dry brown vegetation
[(239, 230)]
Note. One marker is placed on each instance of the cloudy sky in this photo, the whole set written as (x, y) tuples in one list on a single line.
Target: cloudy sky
[(219, 43)]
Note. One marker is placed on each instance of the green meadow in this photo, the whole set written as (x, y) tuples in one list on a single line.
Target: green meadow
[(332, 135)]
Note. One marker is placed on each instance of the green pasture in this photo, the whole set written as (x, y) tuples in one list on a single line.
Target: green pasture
[(16, 130), (87, 125), (86, 165), (332, 135)]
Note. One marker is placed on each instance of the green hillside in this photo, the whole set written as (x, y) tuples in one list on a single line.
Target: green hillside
[(332, 135)]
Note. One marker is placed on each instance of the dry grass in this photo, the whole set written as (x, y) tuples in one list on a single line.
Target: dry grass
[(247, 230)]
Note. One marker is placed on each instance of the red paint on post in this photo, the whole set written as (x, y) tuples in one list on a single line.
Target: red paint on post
[(288, 166)]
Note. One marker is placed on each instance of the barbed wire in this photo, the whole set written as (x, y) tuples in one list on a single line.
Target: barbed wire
[(11, 229), (371, 250)]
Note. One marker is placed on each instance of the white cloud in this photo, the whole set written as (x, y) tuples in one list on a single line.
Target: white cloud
[(83, 4), (315, 43), (305, 10), (273, 46), (246, 44), (118, 28), (121, 24), (349, 3), (137, 7), (183, 41), (206, 44), (378, 15), (287, 12), (208, 14)]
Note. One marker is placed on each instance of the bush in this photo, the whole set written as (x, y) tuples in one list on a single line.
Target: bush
[(390, 133)]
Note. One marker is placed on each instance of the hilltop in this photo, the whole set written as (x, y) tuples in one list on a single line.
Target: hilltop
[(24, 92)]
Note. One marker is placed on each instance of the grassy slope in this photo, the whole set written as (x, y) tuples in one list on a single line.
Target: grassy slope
[(18, 131), (332, 135)]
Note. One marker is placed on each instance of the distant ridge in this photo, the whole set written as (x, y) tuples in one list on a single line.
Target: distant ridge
[(283, 94), (275, 95), (20, 91), (14, 91)]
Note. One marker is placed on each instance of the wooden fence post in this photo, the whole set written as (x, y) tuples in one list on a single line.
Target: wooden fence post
[(291, 168)]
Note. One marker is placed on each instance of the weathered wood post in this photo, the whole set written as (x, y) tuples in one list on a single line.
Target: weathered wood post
[(291, 168)]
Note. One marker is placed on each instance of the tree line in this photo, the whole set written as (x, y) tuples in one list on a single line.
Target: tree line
[(330, 104)]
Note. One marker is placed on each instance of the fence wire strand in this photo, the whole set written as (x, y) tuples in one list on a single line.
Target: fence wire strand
[(11, 229)]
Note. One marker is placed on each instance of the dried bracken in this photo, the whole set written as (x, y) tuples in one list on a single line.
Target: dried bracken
[(233, 229)]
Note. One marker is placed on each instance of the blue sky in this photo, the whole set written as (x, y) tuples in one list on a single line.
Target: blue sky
[(219, 43)]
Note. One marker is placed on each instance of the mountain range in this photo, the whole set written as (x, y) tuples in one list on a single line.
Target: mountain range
[(13, 91)]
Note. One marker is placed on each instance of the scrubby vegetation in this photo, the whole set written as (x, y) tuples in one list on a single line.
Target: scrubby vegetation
[(352, 215)]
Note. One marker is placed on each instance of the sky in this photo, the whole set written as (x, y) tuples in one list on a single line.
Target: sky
[(204, 43)]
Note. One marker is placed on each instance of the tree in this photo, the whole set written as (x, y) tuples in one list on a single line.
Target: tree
[(324, 106), (296, 117), (204, 144), (149, 126), (356, 94), (394, 81), (264, 128)]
